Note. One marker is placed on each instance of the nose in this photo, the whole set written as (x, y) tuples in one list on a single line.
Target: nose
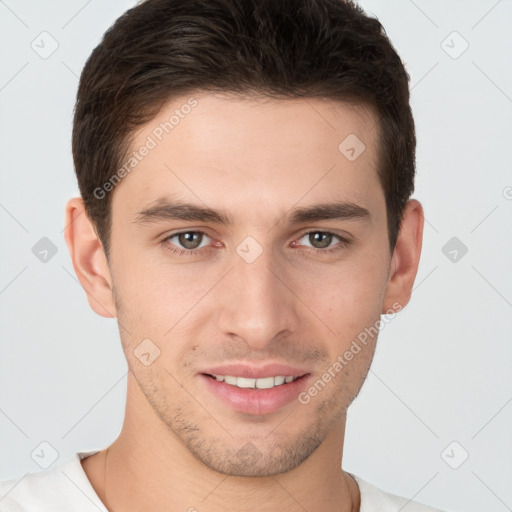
[(256, 302)]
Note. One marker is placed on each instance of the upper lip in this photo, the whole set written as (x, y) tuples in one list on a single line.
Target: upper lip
[(255, 372)]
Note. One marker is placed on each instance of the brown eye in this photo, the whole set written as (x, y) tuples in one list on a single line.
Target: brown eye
[(322, 242), (320, 239), (186, 243), (190, 239)]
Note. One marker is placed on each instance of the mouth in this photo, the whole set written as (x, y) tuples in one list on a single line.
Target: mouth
[(254, 396)]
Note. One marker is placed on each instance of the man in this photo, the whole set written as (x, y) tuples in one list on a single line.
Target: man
[(245, 170)]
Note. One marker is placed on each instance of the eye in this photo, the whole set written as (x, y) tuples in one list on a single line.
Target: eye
[(190, 241), (321, 241)]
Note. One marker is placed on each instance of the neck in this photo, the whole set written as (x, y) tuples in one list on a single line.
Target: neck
[(149, 468)]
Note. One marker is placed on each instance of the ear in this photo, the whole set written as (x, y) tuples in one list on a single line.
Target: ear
[(89, 260), (406, 258)]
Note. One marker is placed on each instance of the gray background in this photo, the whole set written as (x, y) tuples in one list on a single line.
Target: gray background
[(441, 372)]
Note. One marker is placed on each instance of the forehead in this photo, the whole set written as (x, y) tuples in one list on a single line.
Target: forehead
[(240, 154)]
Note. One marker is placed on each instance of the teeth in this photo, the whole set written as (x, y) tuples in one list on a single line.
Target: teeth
[(263, 383), (230, 380)]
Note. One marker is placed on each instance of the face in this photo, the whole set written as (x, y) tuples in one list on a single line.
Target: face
[(262, 276)]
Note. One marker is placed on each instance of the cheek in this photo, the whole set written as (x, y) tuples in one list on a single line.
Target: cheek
[(349, 294), (158, 300)]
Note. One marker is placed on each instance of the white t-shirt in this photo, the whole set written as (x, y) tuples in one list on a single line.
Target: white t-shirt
[(66, 488)]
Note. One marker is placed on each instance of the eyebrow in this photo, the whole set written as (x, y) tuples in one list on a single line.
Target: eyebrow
[(165, 209)]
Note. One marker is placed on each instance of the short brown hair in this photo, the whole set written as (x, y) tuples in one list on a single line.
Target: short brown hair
[(160, 49)]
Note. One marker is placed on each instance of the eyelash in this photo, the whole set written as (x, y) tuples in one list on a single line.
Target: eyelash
[(344, 243)]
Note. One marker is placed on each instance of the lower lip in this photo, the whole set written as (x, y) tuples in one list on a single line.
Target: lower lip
[(256, 401)]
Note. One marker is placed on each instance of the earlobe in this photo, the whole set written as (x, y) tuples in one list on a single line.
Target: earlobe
[(89, 260), (406, 258)]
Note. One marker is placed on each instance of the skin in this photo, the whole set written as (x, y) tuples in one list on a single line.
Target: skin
[(257, 160)]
